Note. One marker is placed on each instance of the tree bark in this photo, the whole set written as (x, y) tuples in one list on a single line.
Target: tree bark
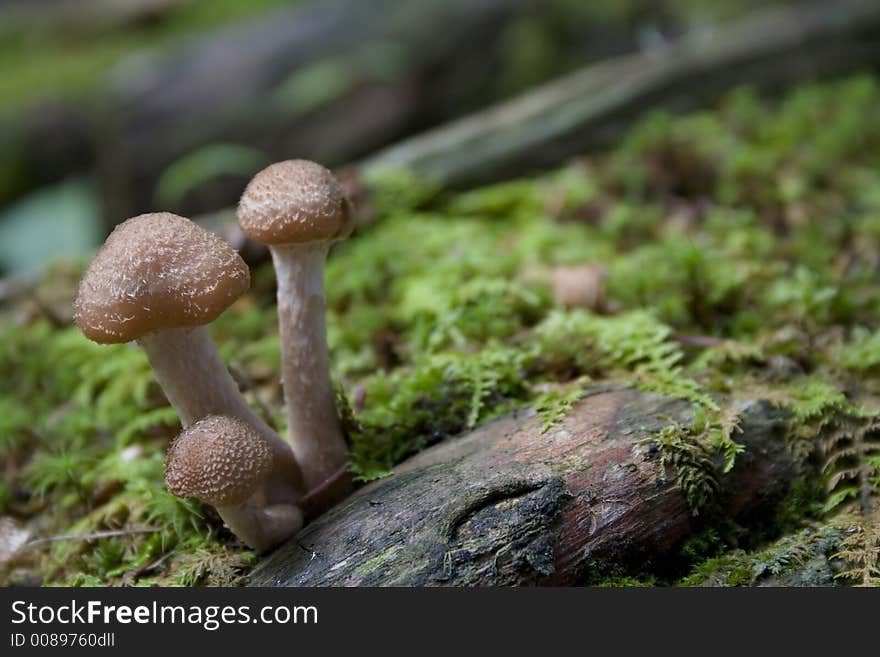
[(507, 505)]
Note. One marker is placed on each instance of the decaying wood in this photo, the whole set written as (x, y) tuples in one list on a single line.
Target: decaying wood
[(768, 49), (507, 505)]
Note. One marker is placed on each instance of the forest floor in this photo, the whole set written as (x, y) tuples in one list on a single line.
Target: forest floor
[(722, 254)]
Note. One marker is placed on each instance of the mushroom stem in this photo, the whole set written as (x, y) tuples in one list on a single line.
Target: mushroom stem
[(261, 527), (193, 376), (314, 429), (197, 383)]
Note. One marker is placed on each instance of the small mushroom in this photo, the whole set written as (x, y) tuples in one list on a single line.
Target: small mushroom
[(227, 464), (580, 286), (159, 279), (299, 210)]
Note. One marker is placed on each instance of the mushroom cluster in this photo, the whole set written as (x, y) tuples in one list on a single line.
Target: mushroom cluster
[(160, 279)]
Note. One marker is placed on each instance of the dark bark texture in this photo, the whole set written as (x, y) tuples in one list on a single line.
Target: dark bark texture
[(506, 505)]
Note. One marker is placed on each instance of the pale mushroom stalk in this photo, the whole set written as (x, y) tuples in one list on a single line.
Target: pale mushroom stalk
[(261, 527), (314, 429), (197, 383), (192, 374)]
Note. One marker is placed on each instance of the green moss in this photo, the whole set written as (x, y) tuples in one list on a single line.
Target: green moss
[(213, 566), (371, 565), (690, 460), (859, 551), (553, 405), (862, 352), (625, 582), (702, 546), (92, 439), (784, 561)]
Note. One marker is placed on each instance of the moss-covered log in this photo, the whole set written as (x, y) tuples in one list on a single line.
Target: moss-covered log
[(508, 505)]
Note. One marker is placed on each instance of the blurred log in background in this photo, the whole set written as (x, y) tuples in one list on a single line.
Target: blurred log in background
[(115, 108)]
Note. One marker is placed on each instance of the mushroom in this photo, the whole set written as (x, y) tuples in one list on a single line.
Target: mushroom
[(580, 286), (227, 464), (159, 279), (299, 210)]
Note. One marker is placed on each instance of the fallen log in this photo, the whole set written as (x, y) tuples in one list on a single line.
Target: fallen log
[(172, 108), (507, 505), (589, 108), (158, 109)]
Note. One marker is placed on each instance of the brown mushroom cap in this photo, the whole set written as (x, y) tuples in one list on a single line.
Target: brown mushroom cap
[(157, 271), (294, 202), (220, 460)]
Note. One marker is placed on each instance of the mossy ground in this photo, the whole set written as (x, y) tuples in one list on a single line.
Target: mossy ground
[(741, 247)]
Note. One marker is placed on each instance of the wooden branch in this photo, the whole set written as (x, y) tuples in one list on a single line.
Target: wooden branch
[(330, 80), (507, 505), (93, 536), (589, 108)]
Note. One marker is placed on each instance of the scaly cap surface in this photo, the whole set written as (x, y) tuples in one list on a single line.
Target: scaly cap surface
[(157, 271), (294, 202), (220, 460)]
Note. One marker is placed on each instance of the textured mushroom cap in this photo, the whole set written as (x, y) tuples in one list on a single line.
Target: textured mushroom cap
[(157, 271), (294, 202), (220, 460)]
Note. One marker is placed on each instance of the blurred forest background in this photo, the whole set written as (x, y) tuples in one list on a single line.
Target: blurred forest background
[(110, 108)]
